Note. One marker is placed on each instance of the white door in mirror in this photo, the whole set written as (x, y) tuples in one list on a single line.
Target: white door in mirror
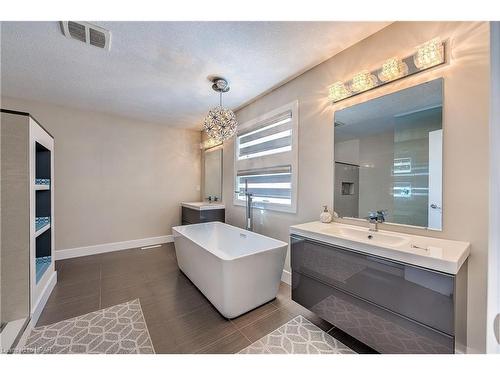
[(435, 212)]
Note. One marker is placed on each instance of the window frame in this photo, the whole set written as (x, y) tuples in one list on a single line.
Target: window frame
[(272, 160)]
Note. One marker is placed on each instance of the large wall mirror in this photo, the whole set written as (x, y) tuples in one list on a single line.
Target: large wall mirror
[(388, 157), (213, 174)]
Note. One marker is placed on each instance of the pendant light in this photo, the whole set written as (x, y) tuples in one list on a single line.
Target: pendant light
[(220, 123)]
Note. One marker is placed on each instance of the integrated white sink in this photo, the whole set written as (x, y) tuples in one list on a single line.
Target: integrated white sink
[(433, 253), (375, 238)]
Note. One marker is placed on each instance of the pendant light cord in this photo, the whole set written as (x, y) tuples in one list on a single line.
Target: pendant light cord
[(220, 99)]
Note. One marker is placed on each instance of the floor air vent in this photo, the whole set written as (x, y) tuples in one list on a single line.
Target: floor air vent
[(87, 33)]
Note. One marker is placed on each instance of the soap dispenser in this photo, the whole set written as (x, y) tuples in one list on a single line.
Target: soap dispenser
[(326, 216)]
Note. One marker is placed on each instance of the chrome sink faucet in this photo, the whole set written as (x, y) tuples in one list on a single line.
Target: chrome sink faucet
[(373, 225), (374, 218), (248, 201)]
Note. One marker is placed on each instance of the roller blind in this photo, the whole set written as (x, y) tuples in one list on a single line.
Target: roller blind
[(268, 185), (272, 136)]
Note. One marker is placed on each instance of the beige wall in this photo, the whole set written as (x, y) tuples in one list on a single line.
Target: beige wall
[(15, 245), (116, 179), (465, 129)]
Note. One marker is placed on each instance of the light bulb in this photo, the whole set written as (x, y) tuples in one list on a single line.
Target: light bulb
[(429, 54), (392, 69), (363, 81), (338, 91)]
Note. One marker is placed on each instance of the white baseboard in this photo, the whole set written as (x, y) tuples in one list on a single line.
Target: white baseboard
[(286, 277), (462, 349), (10, 333), (44, 296), (24, 337), (112, 246)]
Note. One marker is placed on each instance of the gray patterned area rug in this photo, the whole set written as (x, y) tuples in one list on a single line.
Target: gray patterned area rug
[(298, 336), (119, 329)]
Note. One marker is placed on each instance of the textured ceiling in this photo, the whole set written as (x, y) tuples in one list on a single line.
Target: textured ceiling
[(157, 71)]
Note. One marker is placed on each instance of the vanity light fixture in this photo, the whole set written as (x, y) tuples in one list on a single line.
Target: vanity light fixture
[(427, 55), (338, 91), (363, 81), (220, 123), (392, 69)]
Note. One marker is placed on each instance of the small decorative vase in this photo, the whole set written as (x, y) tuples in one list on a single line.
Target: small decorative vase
[(326, 216)]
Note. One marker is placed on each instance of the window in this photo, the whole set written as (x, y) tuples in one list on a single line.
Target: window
[(266, 160), (402, 190), (268, 185), (402, 165)]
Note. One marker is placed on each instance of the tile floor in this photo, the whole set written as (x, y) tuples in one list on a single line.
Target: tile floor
[(180, 319)]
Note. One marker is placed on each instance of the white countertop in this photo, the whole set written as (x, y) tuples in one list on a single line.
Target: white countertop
[(201, 206), (432, 253)]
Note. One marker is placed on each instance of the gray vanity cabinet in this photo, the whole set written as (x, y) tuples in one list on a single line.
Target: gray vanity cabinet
[(393, 307), (193, 216)]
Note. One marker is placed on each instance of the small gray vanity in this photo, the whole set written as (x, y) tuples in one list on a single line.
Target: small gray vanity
[(398, 294)]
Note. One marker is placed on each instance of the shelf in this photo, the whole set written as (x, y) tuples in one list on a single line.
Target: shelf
[(42, 184), (41, 225), (42, 230), (42, 187), (42, 264)]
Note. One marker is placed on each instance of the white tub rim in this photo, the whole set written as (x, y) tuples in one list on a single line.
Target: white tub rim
[(178, 230)]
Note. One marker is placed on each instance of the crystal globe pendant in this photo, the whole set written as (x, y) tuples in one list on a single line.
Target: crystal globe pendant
[(220, 123)]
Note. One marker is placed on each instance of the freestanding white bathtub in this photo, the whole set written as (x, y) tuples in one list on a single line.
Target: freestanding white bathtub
[(235, 269)]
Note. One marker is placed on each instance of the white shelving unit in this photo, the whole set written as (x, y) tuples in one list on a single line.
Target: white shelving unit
[(42, 271), (27, 182)]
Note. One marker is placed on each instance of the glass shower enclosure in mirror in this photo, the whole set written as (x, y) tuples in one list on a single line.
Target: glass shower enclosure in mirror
[(388, 157)]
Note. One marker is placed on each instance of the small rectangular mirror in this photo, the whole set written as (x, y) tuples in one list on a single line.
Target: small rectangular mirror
[(388, 157), (213, 174)]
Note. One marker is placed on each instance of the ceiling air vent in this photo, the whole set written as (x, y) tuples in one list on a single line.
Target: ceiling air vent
[(87, 33)]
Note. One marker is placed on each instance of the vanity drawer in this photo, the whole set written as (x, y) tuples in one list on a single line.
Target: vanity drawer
[(212, 215), (378, 328), (192, 216), (419, 294)]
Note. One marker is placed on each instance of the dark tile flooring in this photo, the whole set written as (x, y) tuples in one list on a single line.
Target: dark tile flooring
[(179, 318)]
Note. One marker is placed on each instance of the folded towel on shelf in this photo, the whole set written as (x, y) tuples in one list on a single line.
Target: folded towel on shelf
[(41, 221), (42, 181)]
